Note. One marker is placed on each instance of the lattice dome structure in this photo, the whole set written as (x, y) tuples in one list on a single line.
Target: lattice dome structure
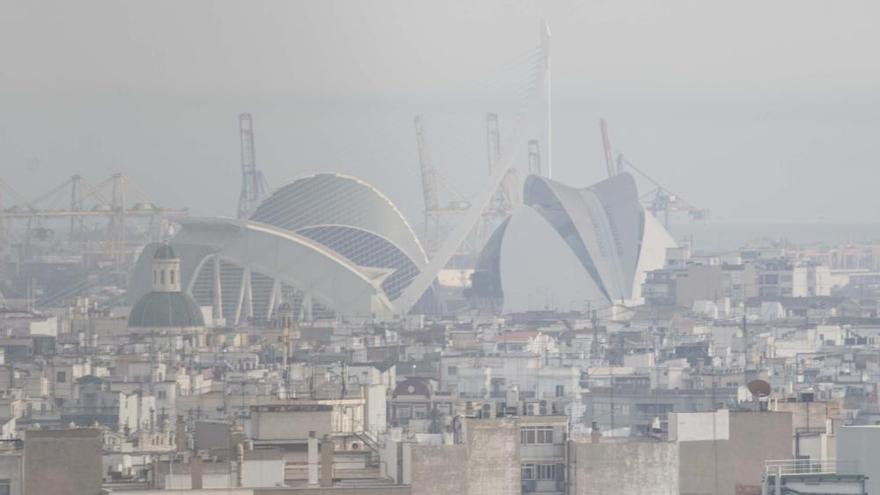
[(326, 244)]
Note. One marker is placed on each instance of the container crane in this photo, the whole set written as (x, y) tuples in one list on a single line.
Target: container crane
[(434, 211), (662, 201)]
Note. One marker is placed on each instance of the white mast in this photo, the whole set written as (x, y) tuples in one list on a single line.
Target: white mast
[(545, 67)]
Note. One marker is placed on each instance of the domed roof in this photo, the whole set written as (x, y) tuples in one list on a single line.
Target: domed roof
[(164, 253), (328, 199), (166, 310)]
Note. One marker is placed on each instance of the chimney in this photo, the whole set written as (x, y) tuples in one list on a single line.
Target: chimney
[(195, 467), (327, 453), (313, 459), (595, 434), (239, 454), (180, 434)]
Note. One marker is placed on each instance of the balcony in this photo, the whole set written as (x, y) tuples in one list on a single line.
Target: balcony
[(809, 477), (809, 466)]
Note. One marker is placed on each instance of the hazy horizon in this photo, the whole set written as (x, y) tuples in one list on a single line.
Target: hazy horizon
[(774, 124)]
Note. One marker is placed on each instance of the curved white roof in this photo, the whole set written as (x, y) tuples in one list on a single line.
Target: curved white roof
[(612, 237), (602, 223), (334, 199), (295, 260), (334, 237)]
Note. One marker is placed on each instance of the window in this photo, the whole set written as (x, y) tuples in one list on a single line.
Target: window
[(654, 409), (536, 435), (162, 277), (560, 391), (546, 471), (5, 487), (61, 377), (452, 371), (172, 275), (162, 395), (541, 472)]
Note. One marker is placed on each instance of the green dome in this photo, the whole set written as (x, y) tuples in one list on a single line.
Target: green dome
[(166, 310), (164, 253)]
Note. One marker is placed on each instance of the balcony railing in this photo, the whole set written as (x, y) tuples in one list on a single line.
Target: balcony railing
[(809, 466)]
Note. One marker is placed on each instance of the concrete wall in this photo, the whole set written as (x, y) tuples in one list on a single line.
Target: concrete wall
[(439, 470), (367, 490), (10, 469), (376, 407), (213, 435), (206, 491), (262, 473), (290, 425), (63, 462), (631, 468), (812, 418), (735, 466), (385, 490), (693, 427), (487, 463), (703, 282), (858, 445)]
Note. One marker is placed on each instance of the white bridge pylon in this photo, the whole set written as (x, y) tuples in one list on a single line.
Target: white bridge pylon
[(538, 103)]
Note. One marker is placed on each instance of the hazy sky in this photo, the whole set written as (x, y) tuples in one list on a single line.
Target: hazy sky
[(754, 109)]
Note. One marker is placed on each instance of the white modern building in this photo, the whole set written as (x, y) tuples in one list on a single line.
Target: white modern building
[(597, 242), (334, 245), (322, 242)]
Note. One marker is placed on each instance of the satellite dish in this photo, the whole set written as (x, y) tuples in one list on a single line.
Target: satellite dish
[(759, 389)]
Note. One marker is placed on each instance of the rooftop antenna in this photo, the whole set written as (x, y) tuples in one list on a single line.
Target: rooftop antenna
[(760, 391)]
